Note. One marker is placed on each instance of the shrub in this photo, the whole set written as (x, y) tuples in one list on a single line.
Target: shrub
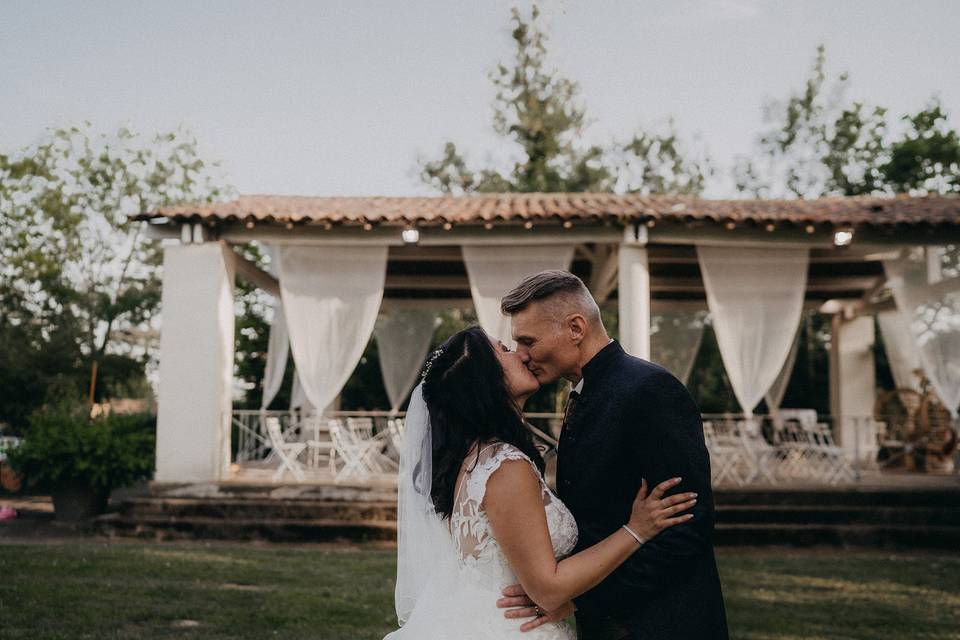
[(63, 447)]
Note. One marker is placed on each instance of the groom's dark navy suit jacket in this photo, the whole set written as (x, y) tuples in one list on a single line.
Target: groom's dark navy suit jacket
[(635, 420)]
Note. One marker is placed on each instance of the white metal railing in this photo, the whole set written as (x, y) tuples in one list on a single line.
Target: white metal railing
[(794, 446), (252, 442)]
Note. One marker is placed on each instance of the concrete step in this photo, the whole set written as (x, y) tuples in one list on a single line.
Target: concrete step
[(837, 515), (273, 530), (295, 491), (300, 513), (887, 536), (843, 497), (259, 508)]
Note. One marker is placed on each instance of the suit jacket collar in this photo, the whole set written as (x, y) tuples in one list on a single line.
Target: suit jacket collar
[(602, 360)]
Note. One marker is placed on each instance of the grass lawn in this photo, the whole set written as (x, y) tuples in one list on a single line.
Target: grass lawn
[(148, 591)]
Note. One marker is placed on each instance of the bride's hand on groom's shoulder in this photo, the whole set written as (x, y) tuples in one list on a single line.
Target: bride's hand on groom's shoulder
[(653, 513), (518, 605)]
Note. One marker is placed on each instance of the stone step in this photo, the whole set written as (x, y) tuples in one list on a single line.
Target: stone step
[(837, 515), (299, 491), (387, 511), (273, 530), (316, 513), (848, 497), (887, 536), (319, 530), (259, 508)]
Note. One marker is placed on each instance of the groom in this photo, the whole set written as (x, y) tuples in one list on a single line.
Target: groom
[(627, 419)]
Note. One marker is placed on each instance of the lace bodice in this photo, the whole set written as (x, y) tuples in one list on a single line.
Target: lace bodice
[(478, 552)]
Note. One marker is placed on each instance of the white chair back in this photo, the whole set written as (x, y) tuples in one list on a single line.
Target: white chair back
[(361, 428)]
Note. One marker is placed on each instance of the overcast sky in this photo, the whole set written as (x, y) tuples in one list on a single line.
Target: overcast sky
[(339, 98)]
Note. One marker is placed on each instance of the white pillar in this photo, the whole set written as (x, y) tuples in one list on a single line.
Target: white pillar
[(852, 378), (633, 292), (196, 363)]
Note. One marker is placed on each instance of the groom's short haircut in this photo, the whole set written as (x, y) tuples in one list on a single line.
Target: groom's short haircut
[(556, 288)]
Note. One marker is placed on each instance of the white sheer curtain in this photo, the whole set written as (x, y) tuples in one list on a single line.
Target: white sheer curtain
[(403, 338), (675, 338), (774, 395), (331, 296), (925, 282), (278, 344), (755, 296), (278, 349), (495, 270), (298, 399), (902, 354)]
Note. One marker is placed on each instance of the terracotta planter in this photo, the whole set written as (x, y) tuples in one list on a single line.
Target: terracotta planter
[(72, 504)]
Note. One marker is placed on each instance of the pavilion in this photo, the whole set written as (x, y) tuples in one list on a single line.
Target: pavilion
[(755, 264)]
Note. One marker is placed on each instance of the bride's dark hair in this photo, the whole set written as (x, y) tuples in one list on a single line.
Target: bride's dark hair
[(466, 393)]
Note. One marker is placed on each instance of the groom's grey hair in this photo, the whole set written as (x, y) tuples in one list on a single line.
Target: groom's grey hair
[(561, 292)]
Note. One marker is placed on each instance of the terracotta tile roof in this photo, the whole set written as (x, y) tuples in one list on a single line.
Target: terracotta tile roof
[(515, 207)]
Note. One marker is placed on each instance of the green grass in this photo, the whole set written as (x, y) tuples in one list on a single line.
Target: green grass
[(148, 591)]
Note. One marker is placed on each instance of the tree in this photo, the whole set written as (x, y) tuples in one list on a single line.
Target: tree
[(79, 281), (927, 158), (539, 111), (817, 144)]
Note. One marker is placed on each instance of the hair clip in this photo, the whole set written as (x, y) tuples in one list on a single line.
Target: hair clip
[(433, 358)]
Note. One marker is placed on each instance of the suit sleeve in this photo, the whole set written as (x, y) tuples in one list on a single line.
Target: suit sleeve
[(666, 441)]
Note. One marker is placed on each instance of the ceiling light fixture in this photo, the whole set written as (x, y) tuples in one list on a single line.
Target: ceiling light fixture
[(410, 235), (843, 237)]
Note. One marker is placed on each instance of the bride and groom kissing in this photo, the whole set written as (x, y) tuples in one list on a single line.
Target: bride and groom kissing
[(487, 550)]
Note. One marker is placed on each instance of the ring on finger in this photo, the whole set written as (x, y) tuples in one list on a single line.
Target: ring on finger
[(538, 611)]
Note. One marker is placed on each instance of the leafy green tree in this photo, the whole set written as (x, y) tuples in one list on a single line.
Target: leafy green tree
[(820, 144), (79, 281), (540, 112), (927, 158), (817, 143)]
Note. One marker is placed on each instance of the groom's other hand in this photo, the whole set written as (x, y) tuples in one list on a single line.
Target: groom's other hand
[(518, 605)]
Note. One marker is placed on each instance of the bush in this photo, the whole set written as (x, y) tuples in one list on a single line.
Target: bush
[(64, 447)]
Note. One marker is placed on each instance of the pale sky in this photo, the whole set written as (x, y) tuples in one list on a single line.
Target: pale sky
[(339, 98)]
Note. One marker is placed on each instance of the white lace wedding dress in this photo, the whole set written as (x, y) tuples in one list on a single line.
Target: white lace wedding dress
[(462, 603)]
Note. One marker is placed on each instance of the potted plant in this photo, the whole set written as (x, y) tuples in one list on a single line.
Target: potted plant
[(79, 459)]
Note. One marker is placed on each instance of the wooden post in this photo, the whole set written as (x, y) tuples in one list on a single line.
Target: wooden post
[(93, 381)]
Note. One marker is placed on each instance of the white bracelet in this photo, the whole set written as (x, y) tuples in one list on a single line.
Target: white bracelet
[(633, 533)]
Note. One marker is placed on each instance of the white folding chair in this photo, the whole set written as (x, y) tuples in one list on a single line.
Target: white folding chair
[(792, 431), (395, 430), (320, 449), (288, 452), (355, 453), (832, 463), (361, 428), (764, 456), (728, 456)]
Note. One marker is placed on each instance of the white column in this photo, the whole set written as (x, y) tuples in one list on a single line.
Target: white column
[(852, 379), (196, 363), (633, 293)]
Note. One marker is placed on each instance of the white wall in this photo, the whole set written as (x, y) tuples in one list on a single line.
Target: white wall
[(196, 363), (852, 376)]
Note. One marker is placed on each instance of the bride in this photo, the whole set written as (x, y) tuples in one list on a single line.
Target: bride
[(475, 514)]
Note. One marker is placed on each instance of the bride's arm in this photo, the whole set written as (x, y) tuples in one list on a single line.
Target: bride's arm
[(514, 506)]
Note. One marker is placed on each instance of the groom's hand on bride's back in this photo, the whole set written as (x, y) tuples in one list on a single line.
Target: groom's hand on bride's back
[(518, 605)]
